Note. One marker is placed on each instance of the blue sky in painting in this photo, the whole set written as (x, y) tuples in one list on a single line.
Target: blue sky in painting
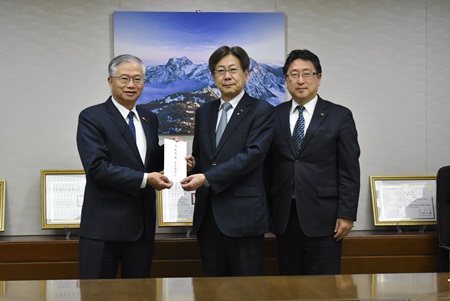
[(157, 36)]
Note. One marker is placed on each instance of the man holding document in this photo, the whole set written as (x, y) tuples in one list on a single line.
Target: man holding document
[(231, 139), (119, 148)]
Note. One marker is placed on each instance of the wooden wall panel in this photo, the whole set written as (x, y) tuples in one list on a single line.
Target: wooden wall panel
[(365, 252)]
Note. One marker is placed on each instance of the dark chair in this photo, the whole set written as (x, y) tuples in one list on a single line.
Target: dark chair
[(443, 216)]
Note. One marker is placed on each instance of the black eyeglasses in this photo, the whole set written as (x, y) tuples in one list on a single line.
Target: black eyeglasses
[(231, 70), (305, 75), (125, 79)]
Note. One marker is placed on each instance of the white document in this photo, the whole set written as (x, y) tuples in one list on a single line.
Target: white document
[(174, 159), (177, 204)]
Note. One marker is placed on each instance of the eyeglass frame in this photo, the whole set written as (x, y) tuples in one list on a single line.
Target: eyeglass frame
[(222, 72), (123, 77), (302, 75)]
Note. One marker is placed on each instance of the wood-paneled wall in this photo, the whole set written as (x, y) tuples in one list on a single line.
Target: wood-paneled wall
[(364, 252)]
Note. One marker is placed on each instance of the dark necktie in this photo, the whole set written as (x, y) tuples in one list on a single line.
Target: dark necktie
[(223, 121), (131, 124), (299, 129)]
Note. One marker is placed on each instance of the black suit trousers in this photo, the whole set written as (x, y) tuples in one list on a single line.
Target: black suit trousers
[(223, 255), (299, 254), (101, 259)]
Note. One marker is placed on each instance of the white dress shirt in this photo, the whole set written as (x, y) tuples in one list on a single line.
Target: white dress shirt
[(234, 102), (141, 141), (307, 113)]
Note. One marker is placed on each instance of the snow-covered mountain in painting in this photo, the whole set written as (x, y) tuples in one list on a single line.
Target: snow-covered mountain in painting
[(176, 89)]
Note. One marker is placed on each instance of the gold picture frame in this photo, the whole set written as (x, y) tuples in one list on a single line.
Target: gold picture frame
[(62, 193), (175, 207), (403, 200), (2, 204)]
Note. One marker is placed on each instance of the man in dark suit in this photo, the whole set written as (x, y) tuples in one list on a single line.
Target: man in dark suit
[(231, 211), (313, 167), (122, 158)]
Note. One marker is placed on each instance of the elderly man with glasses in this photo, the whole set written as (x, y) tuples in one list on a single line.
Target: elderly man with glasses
[(119, 148)]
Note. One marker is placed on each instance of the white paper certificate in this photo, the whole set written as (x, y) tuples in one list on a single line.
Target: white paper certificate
[(62, 198), (412, 201), (177, 205), (403, 200)]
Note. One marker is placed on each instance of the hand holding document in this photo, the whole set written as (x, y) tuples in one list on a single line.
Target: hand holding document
[(190, 161), (193, 182), (158, 181)]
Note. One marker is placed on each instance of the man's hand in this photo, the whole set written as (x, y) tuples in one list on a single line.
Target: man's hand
[(158, 181), (193, 182), (190, 161), (342, 228)]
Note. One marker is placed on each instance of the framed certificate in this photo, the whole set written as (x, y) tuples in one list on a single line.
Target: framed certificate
[(2, 204), (62, 198), (175, 206), (403, 200)]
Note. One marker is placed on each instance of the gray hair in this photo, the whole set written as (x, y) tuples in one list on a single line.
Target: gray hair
[(124, 58)]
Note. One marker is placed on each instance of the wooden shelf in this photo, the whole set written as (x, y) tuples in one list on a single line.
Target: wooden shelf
[(364, 252)]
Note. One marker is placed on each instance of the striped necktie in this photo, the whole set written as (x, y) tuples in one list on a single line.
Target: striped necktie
[(299, 129)]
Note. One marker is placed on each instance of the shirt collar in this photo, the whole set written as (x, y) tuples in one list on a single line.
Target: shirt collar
[(309, 106), (124, 111), (234, 101)]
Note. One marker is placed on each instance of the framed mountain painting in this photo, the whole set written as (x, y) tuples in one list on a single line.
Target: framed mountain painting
[(176, 46)]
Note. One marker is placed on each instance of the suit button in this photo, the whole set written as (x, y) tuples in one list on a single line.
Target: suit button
[(214, 164)]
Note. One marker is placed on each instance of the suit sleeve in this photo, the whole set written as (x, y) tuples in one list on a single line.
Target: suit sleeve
[(348, 168)]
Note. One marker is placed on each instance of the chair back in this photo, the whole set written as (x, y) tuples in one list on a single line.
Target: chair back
[(443, 205), (443, 218)]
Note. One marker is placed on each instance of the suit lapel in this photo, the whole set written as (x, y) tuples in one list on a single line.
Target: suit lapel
[(148, 136), (123, 128), (319, 115), (284, 120), (239, 113), (212, 122)]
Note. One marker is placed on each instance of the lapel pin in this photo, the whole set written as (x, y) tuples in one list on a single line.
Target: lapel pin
[(322, 114), (143, 118), (240, 112)]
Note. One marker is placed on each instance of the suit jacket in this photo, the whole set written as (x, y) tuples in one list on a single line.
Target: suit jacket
[(115, 208), (234, 168), (325, 174)]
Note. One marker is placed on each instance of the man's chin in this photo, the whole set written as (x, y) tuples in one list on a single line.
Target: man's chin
[(131, 98)]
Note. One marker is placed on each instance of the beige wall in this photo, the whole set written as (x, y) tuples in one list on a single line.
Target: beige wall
[(387, 60)]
